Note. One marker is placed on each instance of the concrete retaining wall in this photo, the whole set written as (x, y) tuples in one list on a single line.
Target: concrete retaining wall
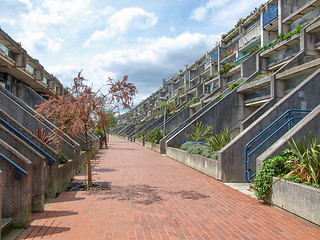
[(140, 142), (38, 167), (154, 147), (50, 171), (300, 199), (200, 163), (18, 193), (65, 175)]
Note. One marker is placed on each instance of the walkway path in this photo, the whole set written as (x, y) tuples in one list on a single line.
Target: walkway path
[(154, 197)]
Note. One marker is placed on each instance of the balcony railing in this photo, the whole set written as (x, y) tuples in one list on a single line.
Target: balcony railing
[(270, 15)]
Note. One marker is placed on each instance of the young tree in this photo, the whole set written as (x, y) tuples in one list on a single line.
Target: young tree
[(77, 110)]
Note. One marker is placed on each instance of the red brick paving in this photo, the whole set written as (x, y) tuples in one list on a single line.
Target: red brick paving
[(153, 197)]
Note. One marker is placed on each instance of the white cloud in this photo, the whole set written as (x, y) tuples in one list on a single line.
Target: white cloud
[(39, 42), (224, 12), (199, 14), (123, 21)]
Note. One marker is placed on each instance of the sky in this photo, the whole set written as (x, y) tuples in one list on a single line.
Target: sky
[(148, 40)]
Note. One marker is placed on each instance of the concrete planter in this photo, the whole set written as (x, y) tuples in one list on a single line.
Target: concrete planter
[(64, 175), (140, 142), (200, 163), (300, 199), (152, 146)]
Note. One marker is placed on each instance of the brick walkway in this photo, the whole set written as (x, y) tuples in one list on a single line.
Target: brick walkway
[(153, 197)]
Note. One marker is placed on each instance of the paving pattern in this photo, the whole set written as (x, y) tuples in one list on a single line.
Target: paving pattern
[(154, 197)]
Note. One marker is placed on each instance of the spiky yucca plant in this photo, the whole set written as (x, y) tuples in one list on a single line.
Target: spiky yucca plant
[(219, 140), (305, 160)]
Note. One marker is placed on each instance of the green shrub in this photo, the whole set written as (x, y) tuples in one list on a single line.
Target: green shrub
[(234, 85), (226, 68), (199, 149), (219, 140), (99, 132), (142, 134), (155, 136), (199, 132), (62, 158), (271, 168)]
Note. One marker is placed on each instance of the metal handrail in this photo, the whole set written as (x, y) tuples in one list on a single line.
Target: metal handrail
[(16, 166), (28, 140), (247, 148)]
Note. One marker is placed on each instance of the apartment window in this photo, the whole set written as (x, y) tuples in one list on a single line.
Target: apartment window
[(4, 49), (45, 80), (186, 75), (30, 69)]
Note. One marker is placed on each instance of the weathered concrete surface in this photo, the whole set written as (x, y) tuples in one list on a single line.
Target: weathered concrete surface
[(202, 164), (38, 167), (300, 199), (18, 193), (64, 175), (301, 130), (25, 115), (152, 146), (232, 156), (50, 171)]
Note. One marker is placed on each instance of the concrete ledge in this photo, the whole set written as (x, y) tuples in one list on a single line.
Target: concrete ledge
[(300, 199), (140, 142), (202, 164), (64, 175), (152, 146)]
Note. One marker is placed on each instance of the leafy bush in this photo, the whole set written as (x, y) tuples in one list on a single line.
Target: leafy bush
[(62, 158), (219, 140), (196, 100), (271, 167), (199, 132), (199, 149), (99, 132), (226, 68), (142, 134), (155, 136), (234, 85), (300, 164), (282, 37)]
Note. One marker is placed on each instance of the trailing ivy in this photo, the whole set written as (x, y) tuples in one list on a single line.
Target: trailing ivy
[(271, 168), (226, 68)]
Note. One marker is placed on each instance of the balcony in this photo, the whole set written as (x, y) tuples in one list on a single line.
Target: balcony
[(270, 16), (303, 10)]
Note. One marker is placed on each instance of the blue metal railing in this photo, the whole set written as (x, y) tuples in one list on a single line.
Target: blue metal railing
[(268, 136), (51, 159), (19, 169), (270, 14)]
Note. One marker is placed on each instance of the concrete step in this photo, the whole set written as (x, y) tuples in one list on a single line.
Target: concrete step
[(5, 223)]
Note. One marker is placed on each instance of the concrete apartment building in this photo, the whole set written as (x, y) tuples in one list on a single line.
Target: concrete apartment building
[(30, 170), (266, 66)]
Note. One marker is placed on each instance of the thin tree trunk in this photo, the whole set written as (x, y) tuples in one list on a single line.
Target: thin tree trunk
[(89, 185), (105, 137)]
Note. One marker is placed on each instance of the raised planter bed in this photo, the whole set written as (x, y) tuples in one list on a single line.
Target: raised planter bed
[(152, 146), (300, 199), (202, 164)]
